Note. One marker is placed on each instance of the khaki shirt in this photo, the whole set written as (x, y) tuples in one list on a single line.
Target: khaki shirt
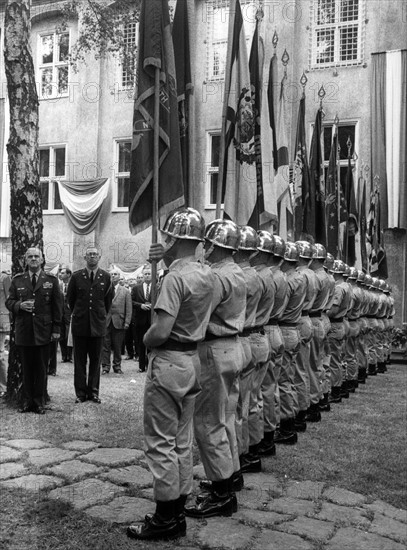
[(253, 293), (267, 299), (297, 288), (326, 287), (313, 286), (358, 297), (342, 300), (281, 294), (186, 294)]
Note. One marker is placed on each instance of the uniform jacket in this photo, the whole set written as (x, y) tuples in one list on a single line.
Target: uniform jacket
[(141, 317), (66, 311), (5, 282), (89, 303), (120, 312), (35, 329)]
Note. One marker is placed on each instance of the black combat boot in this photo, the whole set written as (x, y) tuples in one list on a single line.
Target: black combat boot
[(286, 434), (267, 446), (372, 371), (381, 368), (362, 375), (323, 404), (313, 413), (335, 396), (162, 525), (220, 501), (299, 421)]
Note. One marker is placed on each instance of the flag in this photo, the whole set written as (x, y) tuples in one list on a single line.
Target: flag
[(284, 200), (180, 37), (155, 50), (352, 218), (363, 224), (304, 210), (332, 192), (317, 181), (237, 165), (376, 252), (272, 102)]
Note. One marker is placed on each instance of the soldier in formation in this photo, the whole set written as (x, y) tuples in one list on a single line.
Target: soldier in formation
[(251, 339)]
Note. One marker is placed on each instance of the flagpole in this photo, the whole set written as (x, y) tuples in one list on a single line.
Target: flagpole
[(156, 172), (338, 183)]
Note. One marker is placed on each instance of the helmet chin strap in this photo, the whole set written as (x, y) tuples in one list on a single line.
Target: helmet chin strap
[(252, 256), (208, 252)]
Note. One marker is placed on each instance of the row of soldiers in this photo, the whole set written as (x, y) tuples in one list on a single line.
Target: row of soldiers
[(247, 346)]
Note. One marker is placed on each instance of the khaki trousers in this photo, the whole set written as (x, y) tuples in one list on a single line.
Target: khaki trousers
[(242, 411), (269, 387), (261, 355), (286, 390), (315, 360), (301, 376), (336, 337)]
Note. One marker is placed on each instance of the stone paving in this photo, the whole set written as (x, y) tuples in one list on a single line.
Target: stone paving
[(114, 485)]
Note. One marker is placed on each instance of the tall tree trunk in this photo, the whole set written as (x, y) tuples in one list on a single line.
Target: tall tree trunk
[(22, 148)]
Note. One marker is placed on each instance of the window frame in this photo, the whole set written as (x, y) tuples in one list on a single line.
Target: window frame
[(54, 65), (210, 169), (129, 87), (52, 179), (117, 175), (336, 26)]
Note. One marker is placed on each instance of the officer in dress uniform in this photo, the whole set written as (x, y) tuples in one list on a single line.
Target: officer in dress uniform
[(182, 312), (35, 301), (89, 296), (222, 360)]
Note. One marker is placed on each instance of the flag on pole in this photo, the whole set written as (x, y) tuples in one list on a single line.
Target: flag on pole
[(155, 50), (376, 252), (352, 222), (304, 210), (363, 223), (284, 200), (317, 181), (332, 197), (237, 165), (180, 37), (272, 106)]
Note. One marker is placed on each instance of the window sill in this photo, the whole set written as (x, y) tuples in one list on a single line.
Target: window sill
[(52, 212), (338, 65), (120, 209)]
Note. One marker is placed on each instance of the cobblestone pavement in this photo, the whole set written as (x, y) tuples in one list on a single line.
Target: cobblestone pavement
[(272, 515)]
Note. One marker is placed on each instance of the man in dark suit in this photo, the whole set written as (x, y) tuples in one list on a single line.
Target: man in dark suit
[(89, 296), (66, 351), (118, 321), (35, 301), (140, 296)]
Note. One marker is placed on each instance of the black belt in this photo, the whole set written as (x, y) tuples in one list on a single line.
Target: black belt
[(209, 336), (338, 319), (272, 322), (304, 313), (283, 324), (371, 316), (175, 345), (253, 330), (315, 313)]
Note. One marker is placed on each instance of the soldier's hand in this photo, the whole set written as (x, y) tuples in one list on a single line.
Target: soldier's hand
[(156, 252), (27, 305), (54, 336)]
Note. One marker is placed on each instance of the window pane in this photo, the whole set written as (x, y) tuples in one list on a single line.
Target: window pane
[(57, 198), (213, 188), (47, 48), (219, 59), (46, 82), (44, 194), (60, 162), (220, 23), (123, 191), (344, 133), (326, 12), (349, 10), (63, 40), (62, 80), (325, 46), (124, 156), (215, 150), (44, 163), (348, 43)]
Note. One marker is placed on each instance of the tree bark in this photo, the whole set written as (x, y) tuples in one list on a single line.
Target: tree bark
[(22, 149)]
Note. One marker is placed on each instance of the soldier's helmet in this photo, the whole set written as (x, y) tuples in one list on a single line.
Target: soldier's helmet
[(305, 249), (347, 271), (375, 283), (353, 273), (319, 252), (266, 242), (249, 239), (185, 223), (383, 285), (338, 267), (368, 280), (329, 261), (292, 252), (278, 246), (223, 233), (361, 277)]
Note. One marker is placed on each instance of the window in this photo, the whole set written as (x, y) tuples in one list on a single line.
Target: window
[(345, 131), (217, 19), (128, 66), (337, 32), (52, 168), (212, 173), (53, 64), (122, 175)]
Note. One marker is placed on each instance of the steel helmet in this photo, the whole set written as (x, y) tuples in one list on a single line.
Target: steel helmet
[(305, 249), (368, 280), (383, 285), (361, 277), (185, 223), (338, 267), (249, 239), (319, 252), (329, 261), (223, 233), (266, 242), (347, 271), (278, 246), (375, 283), (292, 252), (353, 273)]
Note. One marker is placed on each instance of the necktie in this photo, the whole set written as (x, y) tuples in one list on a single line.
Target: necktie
[(65, 288), (148, 293), (33, 280), (91, 277)]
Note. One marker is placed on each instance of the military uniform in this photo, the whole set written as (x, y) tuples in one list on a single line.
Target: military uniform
[(33, 330), (89, 303)]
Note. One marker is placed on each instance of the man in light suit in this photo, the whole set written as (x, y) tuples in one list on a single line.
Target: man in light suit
[(117, 322), (4, 330)]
